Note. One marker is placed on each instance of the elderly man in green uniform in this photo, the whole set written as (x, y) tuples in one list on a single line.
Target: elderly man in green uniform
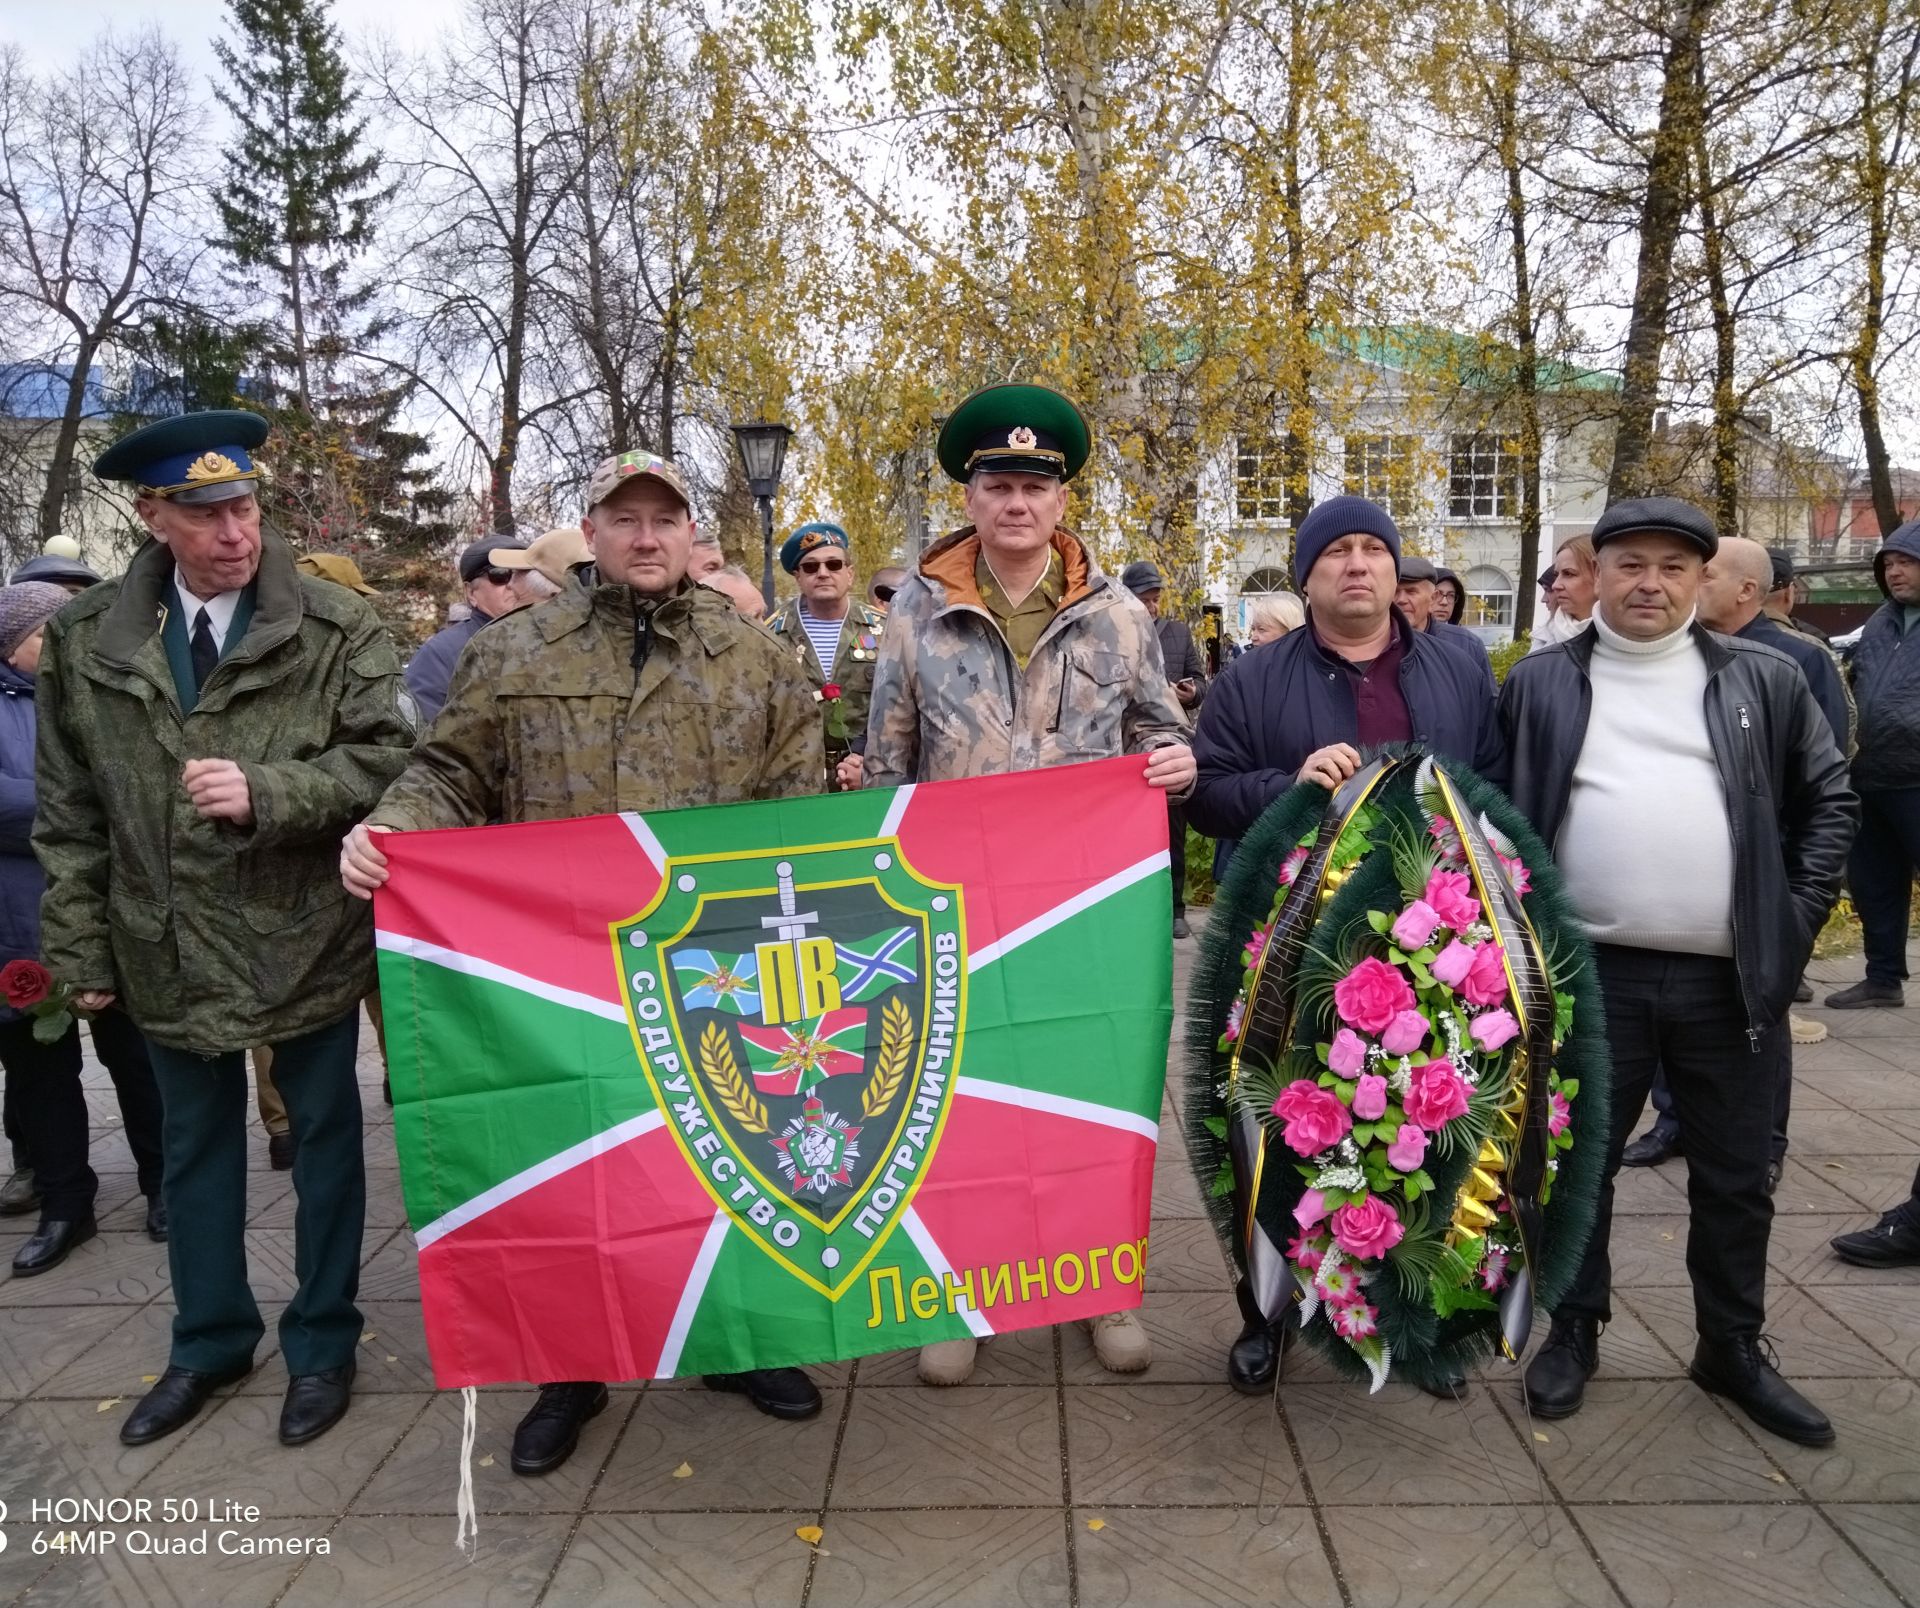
[(636, 689), (210, 723), (833, 639), (1008, 650)]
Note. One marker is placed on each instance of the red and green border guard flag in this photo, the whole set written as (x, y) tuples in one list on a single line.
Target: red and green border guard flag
[(779, 1083)]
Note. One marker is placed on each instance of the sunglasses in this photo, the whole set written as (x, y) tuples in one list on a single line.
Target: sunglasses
[(501, 577), (883, 593), (829, 566)]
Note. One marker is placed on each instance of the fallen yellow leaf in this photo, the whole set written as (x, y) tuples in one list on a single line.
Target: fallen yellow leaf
[(391, 1357), (1776, 1476), (683, 1472), (1666, 1236), (487, 1460), (109, 1404), (368, 1337), (1096, 1525), (1542, 1438), (811, 1534), (149, 1379)]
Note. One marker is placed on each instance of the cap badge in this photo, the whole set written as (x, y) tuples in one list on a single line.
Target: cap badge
[(1020, 436), (210, 467)]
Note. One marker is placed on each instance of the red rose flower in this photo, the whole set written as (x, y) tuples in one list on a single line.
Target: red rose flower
[(1372, 995), (830, 690), (25, 982)]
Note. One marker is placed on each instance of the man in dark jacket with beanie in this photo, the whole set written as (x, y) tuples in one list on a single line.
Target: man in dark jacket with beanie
[(1302, 708), (1886, 774)]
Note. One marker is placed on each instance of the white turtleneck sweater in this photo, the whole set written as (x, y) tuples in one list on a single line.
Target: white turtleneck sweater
[(1645, 847)]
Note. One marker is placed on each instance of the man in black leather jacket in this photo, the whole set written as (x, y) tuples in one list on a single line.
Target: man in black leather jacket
[(1691, 791)]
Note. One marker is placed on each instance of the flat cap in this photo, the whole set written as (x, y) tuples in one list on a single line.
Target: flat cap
[(1659, 516), (476, 558), (52, 567), (1415, 568), (1142, 575)]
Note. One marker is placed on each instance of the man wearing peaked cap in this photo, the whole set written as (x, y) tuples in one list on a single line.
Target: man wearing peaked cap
[(1008, 650), (492, 591), (1419, 584), (211, 721), (834, 639)]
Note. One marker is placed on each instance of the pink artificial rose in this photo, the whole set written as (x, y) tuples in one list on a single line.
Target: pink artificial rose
[(1370, 1098), (1436, 1096), (1347, 1054), (1486, 982), (1250, 956), (1367, 1230), (1404, 1034), (1415, 925), (1310, 1210), (1303, 1252), (1453, 963), (1559, 1113), (1354, 1318), (1371, 995), (1409, 1148), (1315, 1118), (1290, 866), (1491, 1029), (1451, 895), (1517, 872)]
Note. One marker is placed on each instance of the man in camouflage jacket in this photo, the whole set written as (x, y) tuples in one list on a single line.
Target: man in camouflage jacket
[(210, 724), (634, 690), (1008, 650)]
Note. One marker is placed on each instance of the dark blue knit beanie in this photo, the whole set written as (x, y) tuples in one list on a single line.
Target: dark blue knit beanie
[(1334, 518)]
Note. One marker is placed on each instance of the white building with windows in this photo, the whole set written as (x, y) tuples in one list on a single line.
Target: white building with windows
[(1415, 432)]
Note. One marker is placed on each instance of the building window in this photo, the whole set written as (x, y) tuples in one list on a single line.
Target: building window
[(1267, 580), (1260, 480), (1380, 468), (1489, 597), (1481, 477)]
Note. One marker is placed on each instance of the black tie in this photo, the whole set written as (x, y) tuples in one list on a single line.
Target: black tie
[(205, 654)]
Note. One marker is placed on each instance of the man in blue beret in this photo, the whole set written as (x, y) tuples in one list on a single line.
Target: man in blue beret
[(834, 640), (211, 722)]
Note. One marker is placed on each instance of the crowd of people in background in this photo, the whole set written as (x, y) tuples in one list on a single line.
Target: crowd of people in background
[(1703, 772)]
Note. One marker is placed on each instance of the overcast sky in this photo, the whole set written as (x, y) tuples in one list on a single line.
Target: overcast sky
[(53, 33)]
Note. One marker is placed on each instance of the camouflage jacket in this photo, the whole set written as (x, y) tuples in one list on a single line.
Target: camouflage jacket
[(214, 936), (949, 701), (547, 717), (853, 662)]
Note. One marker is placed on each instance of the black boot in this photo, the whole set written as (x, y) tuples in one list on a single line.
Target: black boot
[(52, 1244), (156, 1220), (315, 1403), (1894, 1241), (1253, 1359), (281, 1149), (1742, 1370), (777, 1392), (173, 1402), (546, 1437), (1557, 1377), (1866, 995), (19, 1194)]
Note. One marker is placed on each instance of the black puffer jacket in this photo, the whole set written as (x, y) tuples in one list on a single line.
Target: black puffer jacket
[(1791, 807), (1886, 683)]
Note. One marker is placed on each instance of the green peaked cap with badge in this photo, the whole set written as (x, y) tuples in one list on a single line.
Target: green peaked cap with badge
[(193, 457), (1015, 429)]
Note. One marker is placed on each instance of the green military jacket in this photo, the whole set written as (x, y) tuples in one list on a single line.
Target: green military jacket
[(547, 718), (854, 659), (214, 936)]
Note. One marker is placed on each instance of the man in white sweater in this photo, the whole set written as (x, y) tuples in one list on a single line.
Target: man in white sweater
[(1700, 813)]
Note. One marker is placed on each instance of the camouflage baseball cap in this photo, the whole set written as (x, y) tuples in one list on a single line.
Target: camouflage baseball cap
[(624, 466)]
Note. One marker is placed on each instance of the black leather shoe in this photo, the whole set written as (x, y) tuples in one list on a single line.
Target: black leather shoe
[(1774, 1169), (1444, 1387), (546, 1437), (1180, 927), (315, 1403), (156, 1220), (1867, 995), (51, 1245), (777, 1392), (173, 1402), (1557, 1377), (1743, 1371), (1252, 1359), (1654, 1148), (1803, 995), (1894, 1241), (19, 1194), (281, 1149)]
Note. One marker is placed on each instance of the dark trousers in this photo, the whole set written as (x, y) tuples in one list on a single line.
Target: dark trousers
[(1666, 1120), (218, 1324), (1177, 855), (50, 1108), (1684, 1013), (1880, 876)]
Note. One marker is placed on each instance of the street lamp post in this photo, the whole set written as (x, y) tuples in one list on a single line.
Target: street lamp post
[(763, 452)]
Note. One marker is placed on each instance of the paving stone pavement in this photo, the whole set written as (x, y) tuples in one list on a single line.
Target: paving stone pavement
[(1045, 1480)]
